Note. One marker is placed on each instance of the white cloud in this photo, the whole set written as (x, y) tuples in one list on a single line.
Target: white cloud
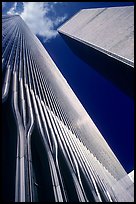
[(12, 10), (35, 14), (59, 20)]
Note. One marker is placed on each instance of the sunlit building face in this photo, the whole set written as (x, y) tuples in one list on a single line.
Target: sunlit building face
[(52, 150)]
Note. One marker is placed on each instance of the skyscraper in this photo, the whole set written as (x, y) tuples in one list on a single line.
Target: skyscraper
[(52, 150), (104, 38)]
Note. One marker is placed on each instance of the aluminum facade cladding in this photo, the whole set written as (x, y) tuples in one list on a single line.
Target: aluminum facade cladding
[(52, 150), (109, 30)]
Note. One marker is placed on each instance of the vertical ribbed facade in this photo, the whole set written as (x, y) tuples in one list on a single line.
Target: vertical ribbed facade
[(52, 150)]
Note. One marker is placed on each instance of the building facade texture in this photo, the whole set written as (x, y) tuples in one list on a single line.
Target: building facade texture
[(105, 35), (52, 150), (110, 30)]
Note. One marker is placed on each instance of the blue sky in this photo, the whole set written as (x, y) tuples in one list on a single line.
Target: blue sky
[(111, 110)]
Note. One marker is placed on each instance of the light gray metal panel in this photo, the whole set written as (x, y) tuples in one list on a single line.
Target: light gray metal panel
[(73, 108), (40, 92), (110, 30)]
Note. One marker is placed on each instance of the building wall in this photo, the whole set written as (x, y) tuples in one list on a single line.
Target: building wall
[(109, 30), (58, 152)]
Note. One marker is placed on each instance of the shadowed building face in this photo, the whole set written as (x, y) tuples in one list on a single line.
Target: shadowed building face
[(104, 38), (52, 150)]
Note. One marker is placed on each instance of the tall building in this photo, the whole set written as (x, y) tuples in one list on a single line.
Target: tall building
[(52, 150), (104, 38)]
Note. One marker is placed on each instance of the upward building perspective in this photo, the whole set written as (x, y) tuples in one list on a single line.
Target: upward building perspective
[(52, 151), (105, 35)]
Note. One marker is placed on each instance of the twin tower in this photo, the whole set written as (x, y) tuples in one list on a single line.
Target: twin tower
[(52, 151)]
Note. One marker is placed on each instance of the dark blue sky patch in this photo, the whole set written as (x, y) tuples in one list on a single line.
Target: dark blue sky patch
[(111, 110)]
